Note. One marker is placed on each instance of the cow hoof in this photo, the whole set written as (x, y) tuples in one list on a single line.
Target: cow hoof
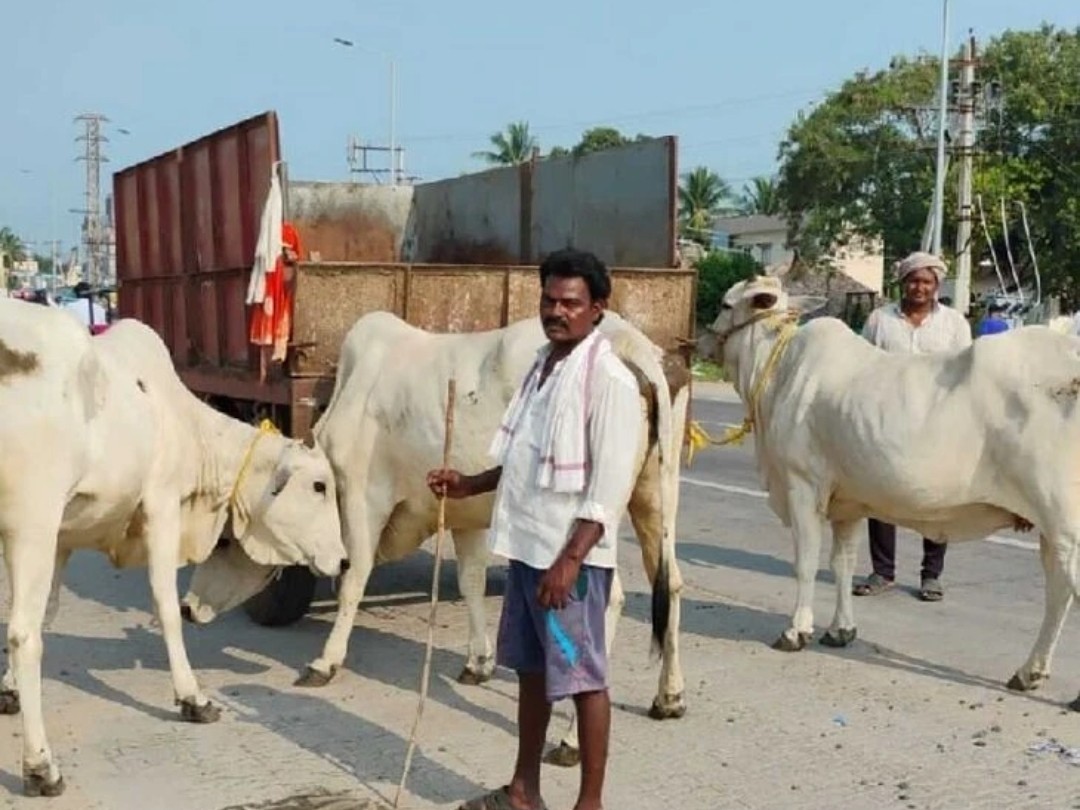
[(787, 644), (313, 679), (1075, 705), (9, 702), (472, 677), (672, 707), (841, 638), (563, 756), (37, 783), (1030, 684), (193, 713)]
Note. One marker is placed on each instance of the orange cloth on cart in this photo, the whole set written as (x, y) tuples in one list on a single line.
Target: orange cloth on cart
[(271, 320)]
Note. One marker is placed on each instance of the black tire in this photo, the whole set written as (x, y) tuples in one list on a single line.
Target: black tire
[(285, 600)]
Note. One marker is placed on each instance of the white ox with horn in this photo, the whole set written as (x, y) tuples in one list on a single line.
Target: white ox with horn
[(102, 447), (954, 446), (383, 431)]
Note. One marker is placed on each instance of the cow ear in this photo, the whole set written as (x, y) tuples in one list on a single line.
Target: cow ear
[(763, 300)]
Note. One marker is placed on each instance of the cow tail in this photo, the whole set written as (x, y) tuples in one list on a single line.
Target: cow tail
[(661, 586), (661, 604)]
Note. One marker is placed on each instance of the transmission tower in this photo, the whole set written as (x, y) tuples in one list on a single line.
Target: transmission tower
[(93, 233)]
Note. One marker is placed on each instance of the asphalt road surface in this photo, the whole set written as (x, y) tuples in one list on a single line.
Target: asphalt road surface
[(914, 714)]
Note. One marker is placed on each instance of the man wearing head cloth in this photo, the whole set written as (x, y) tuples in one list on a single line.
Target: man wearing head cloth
[(918, 324)]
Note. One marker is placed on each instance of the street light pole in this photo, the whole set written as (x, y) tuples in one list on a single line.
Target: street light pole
[(939, 185), (394, 167), (393, 117)]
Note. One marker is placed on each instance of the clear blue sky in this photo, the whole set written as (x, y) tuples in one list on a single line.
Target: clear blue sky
[(725, 77)]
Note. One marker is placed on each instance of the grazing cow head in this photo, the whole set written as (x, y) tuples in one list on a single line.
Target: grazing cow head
[(285, 513), (287, 510), (227, 578)]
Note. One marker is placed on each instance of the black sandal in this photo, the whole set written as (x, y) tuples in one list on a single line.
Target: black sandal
[(498, 799)]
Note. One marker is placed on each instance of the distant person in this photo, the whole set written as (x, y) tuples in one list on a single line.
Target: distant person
[(91, 315), (919, 324), (994, 321)]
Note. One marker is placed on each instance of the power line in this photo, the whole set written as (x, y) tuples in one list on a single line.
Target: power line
[(616, 119)]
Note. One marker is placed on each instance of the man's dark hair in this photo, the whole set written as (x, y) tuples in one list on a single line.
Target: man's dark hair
[(571, 263), (996, 308)]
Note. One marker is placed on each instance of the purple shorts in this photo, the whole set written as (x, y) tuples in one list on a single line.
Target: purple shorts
[(566, 645)]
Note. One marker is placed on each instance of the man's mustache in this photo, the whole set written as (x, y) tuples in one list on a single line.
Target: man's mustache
[(555, 322)]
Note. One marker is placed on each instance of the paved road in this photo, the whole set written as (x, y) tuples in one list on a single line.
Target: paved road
[(912, 715)]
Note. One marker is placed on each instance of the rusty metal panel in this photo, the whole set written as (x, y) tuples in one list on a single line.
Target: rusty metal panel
[(659, 303), (206, 343), (524, 290), (125, 212), (443, 298), (187, 219), (456, 299), (473, 219), (228, 210), (350, 222), (329, 300), (618, 203)]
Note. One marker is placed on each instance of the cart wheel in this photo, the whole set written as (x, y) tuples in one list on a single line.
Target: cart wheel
[(285, 600)]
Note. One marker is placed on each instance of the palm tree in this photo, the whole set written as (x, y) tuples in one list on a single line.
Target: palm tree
[(760, 196), (702, 197), (12, 248), (511, 147)]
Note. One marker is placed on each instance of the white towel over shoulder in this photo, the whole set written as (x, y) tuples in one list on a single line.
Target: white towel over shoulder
[(564, 450)]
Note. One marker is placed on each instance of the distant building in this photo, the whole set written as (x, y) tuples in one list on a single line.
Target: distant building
[(765, 238)]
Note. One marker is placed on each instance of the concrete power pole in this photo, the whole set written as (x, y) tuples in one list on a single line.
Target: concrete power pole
[(965, 149), (94, 241)]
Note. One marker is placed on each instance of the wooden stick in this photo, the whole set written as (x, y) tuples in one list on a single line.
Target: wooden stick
[(440, 536)]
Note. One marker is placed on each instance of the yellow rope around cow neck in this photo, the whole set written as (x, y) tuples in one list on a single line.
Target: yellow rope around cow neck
[(265, 427), (699, 438)]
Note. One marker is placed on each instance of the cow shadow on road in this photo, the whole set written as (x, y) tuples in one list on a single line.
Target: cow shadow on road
[(743, 623), (362, 749), (74, 660), (235, 644), (709, 556)]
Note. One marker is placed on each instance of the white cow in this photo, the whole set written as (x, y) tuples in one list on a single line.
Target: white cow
[(383, 431), (954, 446), (104, 448)]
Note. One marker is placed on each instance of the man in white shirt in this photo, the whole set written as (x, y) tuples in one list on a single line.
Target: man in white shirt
[(565, 455), (919, 324)]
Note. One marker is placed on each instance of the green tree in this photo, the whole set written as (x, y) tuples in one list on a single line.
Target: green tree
[(703, 195), (760, 196), (514, 145), (599, 138), (12, 247), (862, 162), (717, 272)]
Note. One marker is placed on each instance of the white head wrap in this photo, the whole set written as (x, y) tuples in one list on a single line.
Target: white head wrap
[(920, 260)]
